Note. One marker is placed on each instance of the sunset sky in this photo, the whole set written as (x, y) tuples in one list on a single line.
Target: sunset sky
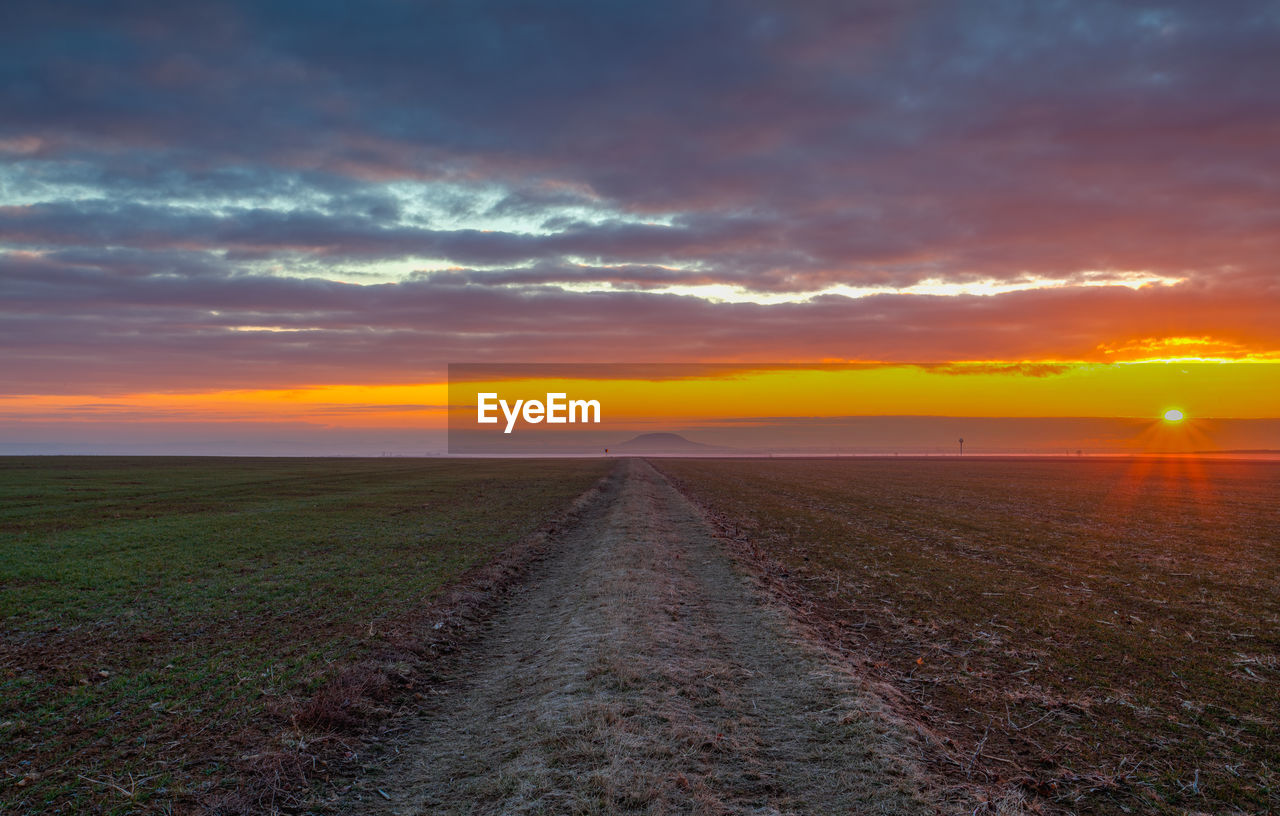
[(268, 227)]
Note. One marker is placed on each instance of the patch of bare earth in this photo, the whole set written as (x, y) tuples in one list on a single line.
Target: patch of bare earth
[(637, 672)]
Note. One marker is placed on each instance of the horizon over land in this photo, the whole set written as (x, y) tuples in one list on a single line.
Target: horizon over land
[(1025, 407)]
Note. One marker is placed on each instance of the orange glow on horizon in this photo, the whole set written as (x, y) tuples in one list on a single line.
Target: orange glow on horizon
[(737, 397), (416, 405), (962, 390)]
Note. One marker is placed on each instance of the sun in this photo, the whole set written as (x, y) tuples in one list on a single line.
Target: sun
[(1173, 415)]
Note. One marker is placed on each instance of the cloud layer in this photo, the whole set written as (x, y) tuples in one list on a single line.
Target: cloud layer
[(265, 194)]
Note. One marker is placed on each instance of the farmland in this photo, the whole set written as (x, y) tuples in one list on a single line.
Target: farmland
[(1099, 634), (164, 618), (1075, 635)]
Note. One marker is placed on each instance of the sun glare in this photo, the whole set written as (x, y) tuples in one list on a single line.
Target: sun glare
[(1173, 415)]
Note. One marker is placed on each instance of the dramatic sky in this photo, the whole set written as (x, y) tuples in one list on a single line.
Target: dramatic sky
[(300, 212)]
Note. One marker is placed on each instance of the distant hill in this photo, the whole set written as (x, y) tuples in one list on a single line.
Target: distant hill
[(664, 443)]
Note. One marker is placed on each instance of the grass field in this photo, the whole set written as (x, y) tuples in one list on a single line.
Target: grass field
[(164, 617), (1100, 634)]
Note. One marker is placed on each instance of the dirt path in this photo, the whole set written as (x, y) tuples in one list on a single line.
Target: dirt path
[(638, 673)]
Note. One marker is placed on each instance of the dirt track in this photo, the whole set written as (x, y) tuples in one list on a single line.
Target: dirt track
[(638, 672)]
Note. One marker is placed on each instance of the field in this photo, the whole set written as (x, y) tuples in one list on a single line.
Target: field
[(168, 621), (1101, 635), (1092, 636)]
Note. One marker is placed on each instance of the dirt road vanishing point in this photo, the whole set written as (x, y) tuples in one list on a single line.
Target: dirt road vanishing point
[(638, 672)]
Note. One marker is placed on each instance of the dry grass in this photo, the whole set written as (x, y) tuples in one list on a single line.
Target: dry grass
[(637, 673)]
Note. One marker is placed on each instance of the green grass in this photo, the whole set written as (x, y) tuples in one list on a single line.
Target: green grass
[(1103, 634), (157, 611)]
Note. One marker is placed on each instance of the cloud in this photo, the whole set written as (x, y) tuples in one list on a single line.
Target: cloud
[(188, 192), (70, 326)]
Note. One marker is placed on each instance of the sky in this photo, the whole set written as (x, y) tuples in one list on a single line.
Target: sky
[(270, 226)]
